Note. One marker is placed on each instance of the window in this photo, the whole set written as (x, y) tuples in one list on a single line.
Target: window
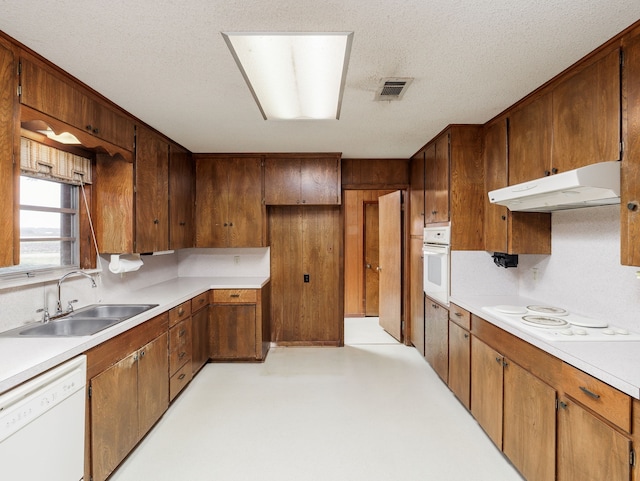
[(48, 226)]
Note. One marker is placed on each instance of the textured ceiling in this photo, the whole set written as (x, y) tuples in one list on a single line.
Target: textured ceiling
[(166, 62)]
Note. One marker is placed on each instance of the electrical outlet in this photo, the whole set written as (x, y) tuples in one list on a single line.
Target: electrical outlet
[(236, 259), (306, 277), (534, 271)]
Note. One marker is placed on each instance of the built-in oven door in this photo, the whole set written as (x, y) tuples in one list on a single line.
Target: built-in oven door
[(436, 272)]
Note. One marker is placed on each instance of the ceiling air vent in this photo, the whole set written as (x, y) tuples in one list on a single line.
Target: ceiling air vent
[(392, 88)]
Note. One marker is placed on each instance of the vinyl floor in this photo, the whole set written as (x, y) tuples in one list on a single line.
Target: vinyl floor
[(372, 410)]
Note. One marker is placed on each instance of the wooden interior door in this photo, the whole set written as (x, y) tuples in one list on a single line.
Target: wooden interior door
[(371, 260), (390, 269)]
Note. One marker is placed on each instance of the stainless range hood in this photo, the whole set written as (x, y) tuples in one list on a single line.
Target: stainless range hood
[(595, 184)]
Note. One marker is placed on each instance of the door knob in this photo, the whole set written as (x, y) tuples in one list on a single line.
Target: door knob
[(368, 266)]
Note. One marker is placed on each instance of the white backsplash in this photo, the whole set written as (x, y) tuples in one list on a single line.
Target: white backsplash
[(18, 305), (583, 274)]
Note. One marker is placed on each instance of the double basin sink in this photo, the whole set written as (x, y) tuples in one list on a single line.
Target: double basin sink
[(83, 322)]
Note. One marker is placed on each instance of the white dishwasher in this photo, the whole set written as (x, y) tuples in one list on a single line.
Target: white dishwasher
[(42, 426)]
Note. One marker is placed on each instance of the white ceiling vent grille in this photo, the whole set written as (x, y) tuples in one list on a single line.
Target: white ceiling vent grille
[(393, 88)]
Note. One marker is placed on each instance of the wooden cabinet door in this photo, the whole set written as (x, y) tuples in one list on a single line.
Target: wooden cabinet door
[(232, 331), (114, 416), (630, 175), (8, 85), (320, 181), (282, 181), (586, 115), (529, 437), (212, 203), (460, 363), (416, 197), (152, 192), (436, 333), (440, 211), (430, 183), (181, 198), (588, 449), (112, 126), (153, 383), (200, 339), (417, 294), (530, 130), (495, 165), (246, 213), (486, 389)]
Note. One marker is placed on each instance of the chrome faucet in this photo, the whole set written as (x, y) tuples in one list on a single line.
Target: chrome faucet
[(68, 274)]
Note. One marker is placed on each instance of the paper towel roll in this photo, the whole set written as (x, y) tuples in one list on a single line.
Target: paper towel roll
[(119, 265)]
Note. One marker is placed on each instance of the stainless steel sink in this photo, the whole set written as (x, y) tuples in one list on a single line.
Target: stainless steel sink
[(70, 326), (120, 311), (83, 322)]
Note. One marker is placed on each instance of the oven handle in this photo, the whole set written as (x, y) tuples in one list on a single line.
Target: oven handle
[(435, 250)]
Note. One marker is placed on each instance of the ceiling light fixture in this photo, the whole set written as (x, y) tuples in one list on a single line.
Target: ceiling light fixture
[(293, 76)]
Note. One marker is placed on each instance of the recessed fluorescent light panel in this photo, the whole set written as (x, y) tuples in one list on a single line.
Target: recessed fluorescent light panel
[(293, 76)]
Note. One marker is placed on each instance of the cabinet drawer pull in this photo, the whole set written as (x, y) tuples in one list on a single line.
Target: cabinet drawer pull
[(562, 405), (182, 332), (589, 393), (498, 360), (141, 354), (466, 336), (182, 354), (182, 376), (235, 295), (458, 314), (180, 311)]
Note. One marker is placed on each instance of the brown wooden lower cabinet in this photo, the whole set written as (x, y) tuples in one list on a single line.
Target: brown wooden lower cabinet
[(200, 338), (487, 379), (460, 363), (436, 337), (129, 392), (589, 449), (238, 324)]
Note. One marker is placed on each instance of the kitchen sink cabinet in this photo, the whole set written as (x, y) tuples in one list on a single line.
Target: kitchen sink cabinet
[(436, 337), (460, 354), (588, 448), (516, 409), (308, 180), (8, 125), (181, 198), (238, 324), (50, 92), (417, 298), (200, 332), (417, 193), (128, 393), (151, 191), (454, 184), (504, 230), (229, 209)]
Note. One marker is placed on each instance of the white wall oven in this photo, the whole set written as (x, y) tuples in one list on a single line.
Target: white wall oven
[(436, 251)]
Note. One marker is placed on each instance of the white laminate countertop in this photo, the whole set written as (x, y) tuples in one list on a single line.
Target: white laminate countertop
[(617, 363), (24, 358)]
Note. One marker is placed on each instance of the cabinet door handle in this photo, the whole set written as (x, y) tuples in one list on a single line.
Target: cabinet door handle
[(235, 295), (141, 354), (562, 405), (180, 311), (589, 393), (466, 336), (181, 376), (182, 332), (182, 354), (499, 360), (458, 314)]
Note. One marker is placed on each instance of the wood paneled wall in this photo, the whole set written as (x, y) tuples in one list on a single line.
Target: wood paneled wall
[(354, 292), (306, 240)]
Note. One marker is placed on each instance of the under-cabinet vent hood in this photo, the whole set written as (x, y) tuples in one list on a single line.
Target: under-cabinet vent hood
[(595, 184)]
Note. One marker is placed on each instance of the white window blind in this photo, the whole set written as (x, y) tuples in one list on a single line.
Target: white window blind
[(40, 160)]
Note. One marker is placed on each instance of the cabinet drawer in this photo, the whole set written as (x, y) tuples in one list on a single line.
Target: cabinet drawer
[(179, 313), (179, 380), (460, 316), (608, 402), (200, 301), (235, 296), (179, 345)]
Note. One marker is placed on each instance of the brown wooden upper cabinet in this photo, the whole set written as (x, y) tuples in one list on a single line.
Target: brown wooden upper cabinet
[(506, 231), (7, 143), (229, 210), (151, 191), (437, 180), (575, 123), (181, 197), (416, 198), (308, 180), (46, 90)]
